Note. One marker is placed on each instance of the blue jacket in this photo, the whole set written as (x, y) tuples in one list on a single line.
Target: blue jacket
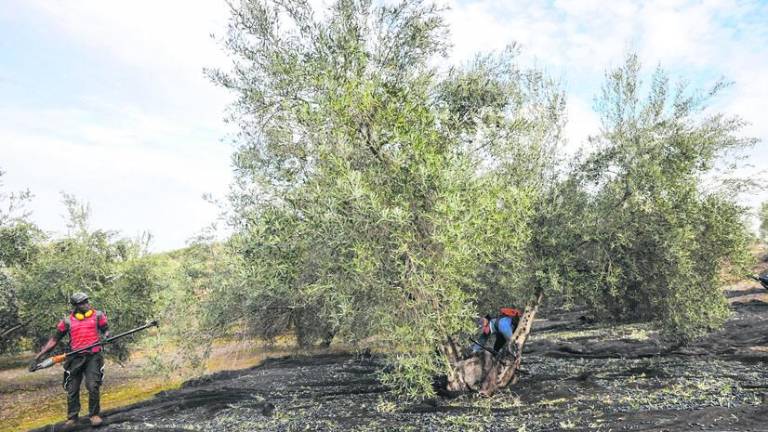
[(502, 326)]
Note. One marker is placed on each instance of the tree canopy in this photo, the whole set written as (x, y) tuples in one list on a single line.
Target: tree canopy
[(18, 247)]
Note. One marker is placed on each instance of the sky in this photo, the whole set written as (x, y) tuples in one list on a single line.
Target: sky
[(107, 100)]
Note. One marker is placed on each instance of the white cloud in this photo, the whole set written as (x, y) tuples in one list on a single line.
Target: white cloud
[(168, 34), (582, 122), (164, 44), (475, 29), (132, 186), (577, 40), (144, 156)]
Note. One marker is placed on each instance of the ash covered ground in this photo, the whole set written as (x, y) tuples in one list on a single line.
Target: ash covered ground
[(576, 375)]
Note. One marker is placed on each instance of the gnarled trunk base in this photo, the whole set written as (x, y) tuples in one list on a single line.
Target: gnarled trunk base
[(487, 373)]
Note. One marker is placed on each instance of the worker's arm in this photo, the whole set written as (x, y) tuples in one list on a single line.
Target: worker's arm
[(51, 344), (104, 326), (479, 345), (61, 330)]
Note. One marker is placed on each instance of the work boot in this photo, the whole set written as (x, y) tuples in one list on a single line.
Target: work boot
[(96, 421)]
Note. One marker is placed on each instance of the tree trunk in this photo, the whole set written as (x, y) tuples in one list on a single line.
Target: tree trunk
[(484, 372)]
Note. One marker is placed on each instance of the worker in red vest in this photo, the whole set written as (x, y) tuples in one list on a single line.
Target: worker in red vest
[(84, 326)]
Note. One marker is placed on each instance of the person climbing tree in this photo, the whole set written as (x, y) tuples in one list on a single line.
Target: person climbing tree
[(502, 327)]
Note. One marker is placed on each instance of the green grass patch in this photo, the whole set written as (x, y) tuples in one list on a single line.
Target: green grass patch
[(54, 410)]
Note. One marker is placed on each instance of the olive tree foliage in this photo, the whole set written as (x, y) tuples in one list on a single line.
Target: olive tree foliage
[(18, 249), (763, 218), (631, 231), (191, 308), (18, 235), (115, 273), (379, 200), (18, 239)]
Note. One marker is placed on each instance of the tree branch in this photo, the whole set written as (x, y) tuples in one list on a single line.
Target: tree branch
[(14, 328)]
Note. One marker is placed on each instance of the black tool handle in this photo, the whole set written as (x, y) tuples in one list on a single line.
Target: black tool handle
[(106, 341)]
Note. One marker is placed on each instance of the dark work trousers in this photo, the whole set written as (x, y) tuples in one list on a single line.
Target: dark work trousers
[(92, 367), (499, 343)]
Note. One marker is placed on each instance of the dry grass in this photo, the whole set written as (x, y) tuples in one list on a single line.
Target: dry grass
[(29, 401)]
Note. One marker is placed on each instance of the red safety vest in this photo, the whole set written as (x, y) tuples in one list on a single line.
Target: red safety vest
[(83, 332)]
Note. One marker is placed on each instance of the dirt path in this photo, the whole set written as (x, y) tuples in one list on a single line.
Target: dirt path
[(576, 376)]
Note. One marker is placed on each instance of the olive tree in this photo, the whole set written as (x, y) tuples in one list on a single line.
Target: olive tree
[(378, 199), (382, 200), (115, 273), (631, 231)]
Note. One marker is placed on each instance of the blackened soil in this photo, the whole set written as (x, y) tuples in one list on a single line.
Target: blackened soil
[(576, 375)]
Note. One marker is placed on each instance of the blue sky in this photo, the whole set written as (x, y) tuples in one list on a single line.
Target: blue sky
[(106, 100)]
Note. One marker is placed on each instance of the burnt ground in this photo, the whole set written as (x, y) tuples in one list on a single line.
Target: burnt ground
[(576, 375)]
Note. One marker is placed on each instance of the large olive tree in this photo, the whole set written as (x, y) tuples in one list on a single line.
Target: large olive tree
[(379, 200)]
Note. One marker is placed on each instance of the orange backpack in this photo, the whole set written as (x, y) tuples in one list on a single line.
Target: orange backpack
[(510, 312)]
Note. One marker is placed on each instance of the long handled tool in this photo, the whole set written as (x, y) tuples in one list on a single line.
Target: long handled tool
[(494, 352), (60, 358)]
